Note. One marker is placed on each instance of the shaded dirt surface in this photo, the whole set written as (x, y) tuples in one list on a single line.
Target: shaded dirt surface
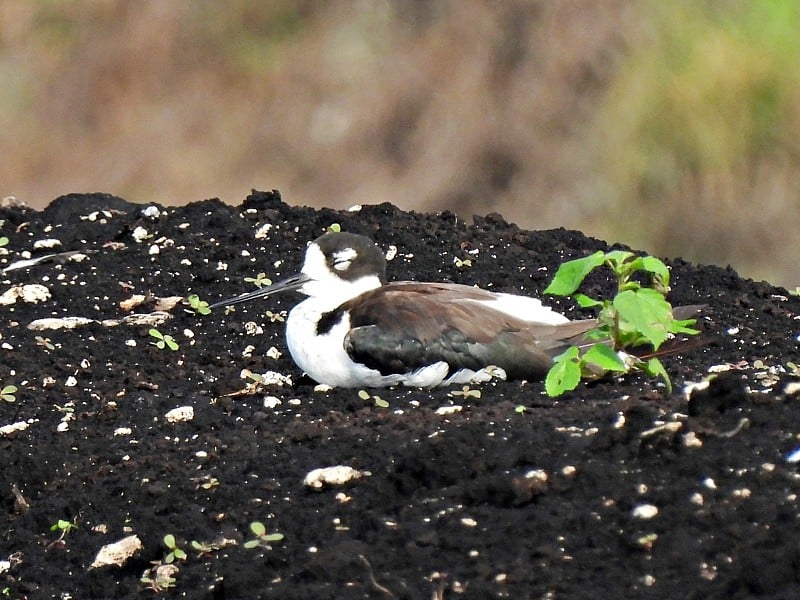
[(488, 502)]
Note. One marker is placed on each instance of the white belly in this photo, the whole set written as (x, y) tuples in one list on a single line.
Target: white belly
[(324, 359)]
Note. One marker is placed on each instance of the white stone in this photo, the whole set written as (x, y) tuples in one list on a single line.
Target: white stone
[(181, 413)]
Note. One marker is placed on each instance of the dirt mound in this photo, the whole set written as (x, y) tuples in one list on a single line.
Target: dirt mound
[(617, 487)]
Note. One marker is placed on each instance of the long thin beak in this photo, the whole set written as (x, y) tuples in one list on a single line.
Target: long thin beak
[(285, 285)]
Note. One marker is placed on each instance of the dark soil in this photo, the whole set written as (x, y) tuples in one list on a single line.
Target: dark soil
[(450, 509)]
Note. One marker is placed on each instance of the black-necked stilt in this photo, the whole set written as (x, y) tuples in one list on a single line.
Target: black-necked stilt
[(355, 330)]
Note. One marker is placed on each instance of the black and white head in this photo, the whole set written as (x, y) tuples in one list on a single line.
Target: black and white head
[(338, 266)]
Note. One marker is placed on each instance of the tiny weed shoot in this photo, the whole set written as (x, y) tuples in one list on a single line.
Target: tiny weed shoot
[(259, 280), (174, 551), (263, 539), (379, 402), (7, 393), (333, 228), (467, 393), (63, 527), (198, 306), (3, 241), (637, 315), (163, 340)]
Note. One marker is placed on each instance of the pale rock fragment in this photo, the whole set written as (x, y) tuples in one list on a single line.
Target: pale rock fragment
[(180, 414), (117, 553), (326, 476)]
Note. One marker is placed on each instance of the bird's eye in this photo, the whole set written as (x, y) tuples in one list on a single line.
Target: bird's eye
[(343, 259), (342, 265)]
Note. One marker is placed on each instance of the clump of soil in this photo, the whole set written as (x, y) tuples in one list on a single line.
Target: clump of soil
[(617, 488)]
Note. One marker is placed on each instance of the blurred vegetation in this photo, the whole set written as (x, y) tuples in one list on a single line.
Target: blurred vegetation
[(669, 126)]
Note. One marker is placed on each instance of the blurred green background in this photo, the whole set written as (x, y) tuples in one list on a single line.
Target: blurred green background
[(673, 127)]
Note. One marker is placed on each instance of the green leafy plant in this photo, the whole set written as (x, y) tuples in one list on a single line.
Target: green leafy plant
[(7, 393), (379, 402), (262, 539), (333, 228), (197, 305), (174, 551), (637, 315), (163, 340), (259, 280), (63, 527)]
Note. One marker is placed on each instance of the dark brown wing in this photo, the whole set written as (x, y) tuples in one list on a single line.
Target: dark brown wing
[(401, 327)]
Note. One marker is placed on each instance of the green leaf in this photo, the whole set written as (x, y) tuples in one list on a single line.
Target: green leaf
[(169, 541), (380, 402), (272, 537), (655, 368), (684, 327), (647, 312), (571, 274), (585, 301), (363, 394), (565, 374), (258, 528), (251, 543), (653, 265), (604, 357)]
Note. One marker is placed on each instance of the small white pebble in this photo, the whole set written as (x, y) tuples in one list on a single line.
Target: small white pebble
[(697, 498), (271, 402), (181, 413), (62, 426), (690, 440), (742, 493), (322, 387), (569, 471), (139, 234), (123, 431), (449, 410), (201, 454), (469, 522), (732, 330), (154, 249), (710, 483), (273, 353), (295, 402), (70, 382), (645, 511), (338, 475)]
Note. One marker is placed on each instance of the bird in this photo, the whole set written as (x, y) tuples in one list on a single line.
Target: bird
[(356, 330)]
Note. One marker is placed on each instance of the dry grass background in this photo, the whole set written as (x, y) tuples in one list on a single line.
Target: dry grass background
[(669, 126)]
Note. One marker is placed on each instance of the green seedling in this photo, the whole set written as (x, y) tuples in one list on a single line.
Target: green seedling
[(158, 584), (203, 548), (63, 527), (637, 315), (467, 262), (163, 340), (174, 551), (198, 306), (273, 317), (379, 402), (3, 241), (333, 228), (8, 393), (262, 539), (259, 280), (465, 392), (520, 409), (44, 342)]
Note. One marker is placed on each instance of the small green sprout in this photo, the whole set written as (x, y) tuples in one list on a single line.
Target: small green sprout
[(7, 393), (379, 402), (273, 317), (333, 228), (210, 483), (3, 241), (467, 262), (198, 306), (259, 280), (174, 551), (163, 340), (637, 315), (203, 548), (44, 342), (520, 409), (262, 539), (63, 527), (158, 584), (467, 393)]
